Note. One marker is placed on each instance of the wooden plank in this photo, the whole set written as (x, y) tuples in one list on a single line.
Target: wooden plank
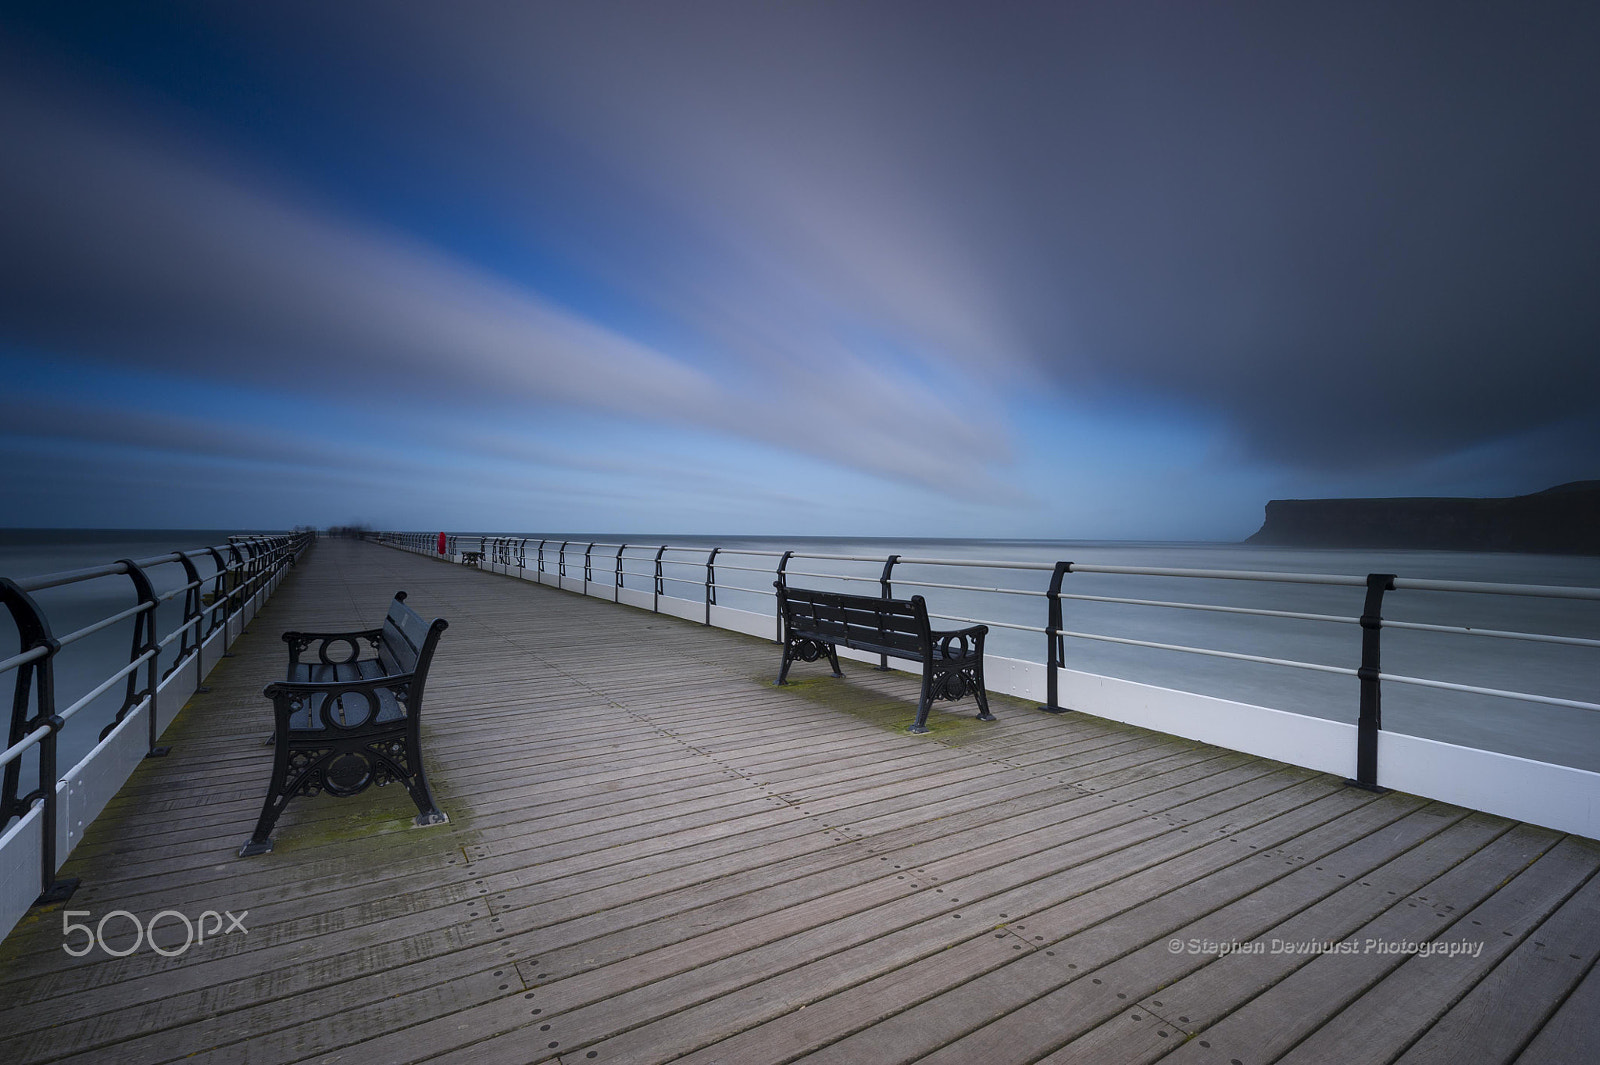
[(1300, 1013), (1573, 1033), (1508, 1007), (675, 858), (1409, 999)]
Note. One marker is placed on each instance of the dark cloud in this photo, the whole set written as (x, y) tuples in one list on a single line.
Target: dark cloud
[(131, 245), (1364, 235), (1360, 237)]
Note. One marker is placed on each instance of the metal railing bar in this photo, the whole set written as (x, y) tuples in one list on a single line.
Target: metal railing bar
[(972, 588), (1342, 670), (1340, 579), (1547, 591), (70, 576), (739, 588), (1471, 689), (975, 563), (18, 749), (1344, 580), (42, 581), (159, 560), (191, 586), (830, 576), (90, 630), (840, 558), (746, 569), (1259, 611), (1533, 637), (749, 551), (175, 633), (106, 684), (999, 624), (36, 653)]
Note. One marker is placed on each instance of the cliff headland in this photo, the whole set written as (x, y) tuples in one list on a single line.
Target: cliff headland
[(1564, 520)]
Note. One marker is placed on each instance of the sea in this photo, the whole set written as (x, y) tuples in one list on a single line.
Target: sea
[(1547, 733)]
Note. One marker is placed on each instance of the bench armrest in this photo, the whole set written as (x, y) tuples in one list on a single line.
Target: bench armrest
[(293, 697), (312, 687), (363, 633), (970, 639), (299, 641)]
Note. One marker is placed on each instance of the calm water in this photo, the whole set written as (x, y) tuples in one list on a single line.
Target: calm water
[(1554, 734)]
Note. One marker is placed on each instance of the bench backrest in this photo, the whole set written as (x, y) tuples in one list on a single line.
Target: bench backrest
[(885, 626), (407, 643)]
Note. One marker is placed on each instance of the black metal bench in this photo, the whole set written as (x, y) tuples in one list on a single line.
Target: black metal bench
[(815, 623), (344, 723)]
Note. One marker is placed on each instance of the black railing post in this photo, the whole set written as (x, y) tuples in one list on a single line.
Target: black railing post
[(561, 562), (38, 679), (217, 595), (191, 618), (656, 603), (144, 642), (887, 591), (235, 581), (541, 555), (777, 602), (588, 569), (1055, 643), (252, 571), (33, 631), (1370, 722), (711, 581), (51, 890), (616, 595)]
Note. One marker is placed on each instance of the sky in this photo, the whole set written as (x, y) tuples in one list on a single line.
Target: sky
[(997, 270)]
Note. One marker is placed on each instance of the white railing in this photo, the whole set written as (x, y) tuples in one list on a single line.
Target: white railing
[(685, 581), (43, 812)]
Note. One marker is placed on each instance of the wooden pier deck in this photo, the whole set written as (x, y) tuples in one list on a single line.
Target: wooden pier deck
[(655, 855)]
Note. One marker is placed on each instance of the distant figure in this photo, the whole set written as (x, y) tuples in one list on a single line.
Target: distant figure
[(441, 543)]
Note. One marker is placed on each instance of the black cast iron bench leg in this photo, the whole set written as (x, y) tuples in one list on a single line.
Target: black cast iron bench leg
[(790, 654), (925, 703), (260, 841)]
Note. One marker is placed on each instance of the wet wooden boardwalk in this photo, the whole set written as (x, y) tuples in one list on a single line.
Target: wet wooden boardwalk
[(656, 856)]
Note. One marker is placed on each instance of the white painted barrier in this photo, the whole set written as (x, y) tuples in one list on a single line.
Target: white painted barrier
[(1540, 793)]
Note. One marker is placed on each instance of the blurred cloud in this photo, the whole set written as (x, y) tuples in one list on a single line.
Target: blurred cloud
[(1363, 235), (1345, 249), (129, 245)]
